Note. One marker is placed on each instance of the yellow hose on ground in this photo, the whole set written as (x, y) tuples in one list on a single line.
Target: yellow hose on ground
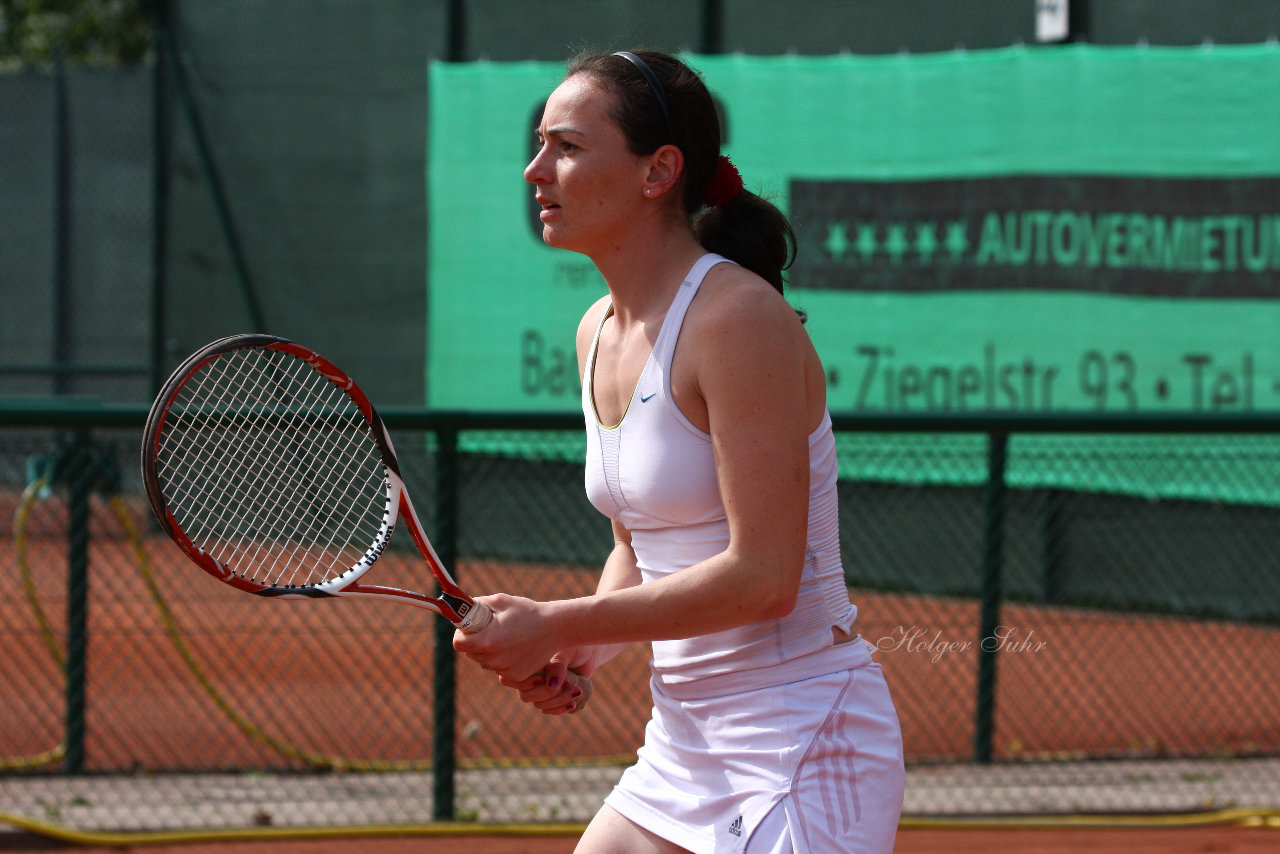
[(313, 760), (263, 834), (47, 634), (247, 727), (1236, 817), (50, 639), (1243, 818)]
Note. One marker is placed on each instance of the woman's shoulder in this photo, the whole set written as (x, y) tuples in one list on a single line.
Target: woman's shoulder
[(592, 316), (590, 322), (735, 296)]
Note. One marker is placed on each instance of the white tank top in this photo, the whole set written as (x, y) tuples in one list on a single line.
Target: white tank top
[(655, 473)]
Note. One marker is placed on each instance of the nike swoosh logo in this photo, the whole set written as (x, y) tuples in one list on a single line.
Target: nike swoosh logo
[(644, 398)]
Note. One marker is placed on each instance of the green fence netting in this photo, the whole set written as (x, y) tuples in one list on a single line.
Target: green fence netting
[(1051, 651)]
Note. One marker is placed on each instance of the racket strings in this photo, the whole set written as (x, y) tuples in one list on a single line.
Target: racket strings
[(286, 458), (271, 469), (231, 496), (264, 458), (317, 502)]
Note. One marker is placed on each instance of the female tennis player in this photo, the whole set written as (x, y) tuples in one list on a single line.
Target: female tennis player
[(710, 448)]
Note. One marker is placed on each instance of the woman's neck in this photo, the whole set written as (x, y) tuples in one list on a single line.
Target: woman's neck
[(643, 276)]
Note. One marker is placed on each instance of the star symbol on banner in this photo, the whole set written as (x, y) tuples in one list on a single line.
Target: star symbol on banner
[(957, 239), (926, 242), (837, 242), (866, 242), (895, 242)]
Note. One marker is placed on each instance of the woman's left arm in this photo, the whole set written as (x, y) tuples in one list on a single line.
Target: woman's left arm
[(752, 357), (747, 356)]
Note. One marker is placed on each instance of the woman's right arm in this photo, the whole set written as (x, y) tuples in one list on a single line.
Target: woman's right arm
[(550, 691), (619, 571)]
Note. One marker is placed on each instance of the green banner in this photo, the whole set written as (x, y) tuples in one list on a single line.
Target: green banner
[(1065, 229)]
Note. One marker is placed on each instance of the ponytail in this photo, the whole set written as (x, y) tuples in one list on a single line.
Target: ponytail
[(750, 231)]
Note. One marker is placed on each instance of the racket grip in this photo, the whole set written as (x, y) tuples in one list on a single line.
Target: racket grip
[(476, 619)]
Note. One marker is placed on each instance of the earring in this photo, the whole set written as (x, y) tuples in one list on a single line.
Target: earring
[(648, 191)]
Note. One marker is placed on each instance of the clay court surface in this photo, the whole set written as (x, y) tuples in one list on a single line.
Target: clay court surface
[(1071, 683), (1220, 840)]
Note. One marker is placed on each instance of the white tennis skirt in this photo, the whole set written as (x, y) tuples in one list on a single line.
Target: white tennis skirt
[(808, 767)]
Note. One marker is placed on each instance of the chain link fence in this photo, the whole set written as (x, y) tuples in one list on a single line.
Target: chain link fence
[(1075, 616), (1050, 650), (76, 219)]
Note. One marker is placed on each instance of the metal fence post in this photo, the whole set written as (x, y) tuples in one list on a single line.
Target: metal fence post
[(456, 29), (160, 140), (79, 484), (712, 26), (444, 759), (62, 228), (992, 558)]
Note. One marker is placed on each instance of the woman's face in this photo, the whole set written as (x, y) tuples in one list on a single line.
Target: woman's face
[(589, 183)]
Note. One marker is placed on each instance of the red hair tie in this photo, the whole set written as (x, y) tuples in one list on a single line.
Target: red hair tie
[(724, 185)]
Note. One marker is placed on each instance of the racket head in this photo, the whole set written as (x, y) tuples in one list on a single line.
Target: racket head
[(270, 469)]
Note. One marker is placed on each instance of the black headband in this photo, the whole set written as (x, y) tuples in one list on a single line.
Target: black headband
[(652, 80)]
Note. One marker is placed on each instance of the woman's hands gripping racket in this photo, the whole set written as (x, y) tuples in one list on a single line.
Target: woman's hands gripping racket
[(270, 469)]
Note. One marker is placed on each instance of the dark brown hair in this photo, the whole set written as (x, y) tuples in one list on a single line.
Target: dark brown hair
[(749, 229)]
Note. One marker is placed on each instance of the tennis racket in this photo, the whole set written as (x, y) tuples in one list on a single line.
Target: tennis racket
[(271, 470)]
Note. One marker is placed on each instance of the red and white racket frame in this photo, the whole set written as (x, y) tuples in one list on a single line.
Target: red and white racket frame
[(452, 603)]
